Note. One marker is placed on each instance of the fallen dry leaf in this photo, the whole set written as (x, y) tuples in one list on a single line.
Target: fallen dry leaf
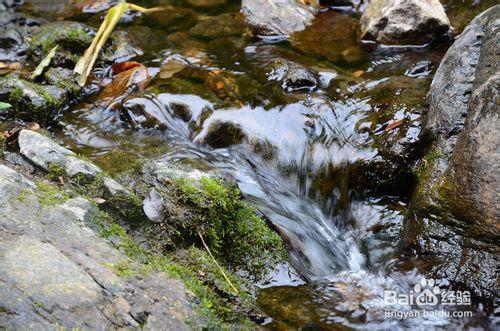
[(170, 68), (84, 66), (358, 73), (44, 63), (11, 65), (33, 126), (136, 76), (60, 181), (124, 66), (394, 125), (6, 67), (12, 134)]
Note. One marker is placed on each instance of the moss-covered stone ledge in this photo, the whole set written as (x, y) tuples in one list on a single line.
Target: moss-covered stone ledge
[(197, 207), (57, 161), (56, 273)]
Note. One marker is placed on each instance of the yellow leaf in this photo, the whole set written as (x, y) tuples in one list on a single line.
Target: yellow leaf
[(44, 63), (86, 63)]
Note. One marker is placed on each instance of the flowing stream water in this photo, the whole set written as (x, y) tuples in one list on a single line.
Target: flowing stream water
[(305, 155)]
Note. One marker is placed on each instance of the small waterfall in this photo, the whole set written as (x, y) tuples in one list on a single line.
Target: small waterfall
[(317, 248)]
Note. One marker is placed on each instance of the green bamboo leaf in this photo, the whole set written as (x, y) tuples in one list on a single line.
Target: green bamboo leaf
[(86, 63), (44, 63)]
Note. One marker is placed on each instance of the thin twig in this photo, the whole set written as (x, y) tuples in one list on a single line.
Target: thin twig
[(217, 264)]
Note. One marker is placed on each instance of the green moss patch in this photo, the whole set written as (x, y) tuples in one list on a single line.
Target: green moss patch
[(230, 226), (29, 97), (49, 195), (217, 305), (71, 36)]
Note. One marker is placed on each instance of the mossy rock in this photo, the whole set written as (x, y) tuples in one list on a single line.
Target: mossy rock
[(30, 99), (73, 39), (39, 101), (214, 209), (218, 306)]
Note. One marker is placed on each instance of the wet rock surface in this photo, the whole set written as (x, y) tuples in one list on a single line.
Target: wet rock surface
[(9, 4), (453, 224), (410, 22), (223, 25), (39, 101), (55, 271), (42, 151), (46, 154), (318, 40), (15, 30), (276, 17), (206, 3), (294, 77)]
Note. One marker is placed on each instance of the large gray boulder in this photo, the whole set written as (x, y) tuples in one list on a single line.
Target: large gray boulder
[(453, 222), (55, 272), (403, 21), (276, 17)]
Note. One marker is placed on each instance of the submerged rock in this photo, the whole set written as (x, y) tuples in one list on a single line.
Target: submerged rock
[(293, 76), (54, 270), (206, 3), (224, 25), (276, 17), (462, 12), (331, 35), (453, 222), (412, 22), (223, 134)]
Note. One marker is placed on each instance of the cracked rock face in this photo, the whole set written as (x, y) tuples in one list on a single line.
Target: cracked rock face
[(404, 22), (54, 270), (453, 222)]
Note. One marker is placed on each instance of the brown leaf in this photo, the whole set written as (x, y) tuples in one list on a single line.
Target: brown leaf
[(10, 65), (12, 134), (358, 73), (170, 68), (394, 125), (124, 66), (137, 75), (60, 181)]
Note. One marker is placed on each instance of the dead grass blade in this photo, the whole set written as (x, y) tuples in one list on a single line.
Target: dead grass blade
[(86, 63), (44, 63)]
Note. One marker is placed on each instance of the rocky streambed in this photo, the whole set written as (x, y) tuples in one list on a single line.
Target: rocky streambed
[(261, 164)]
